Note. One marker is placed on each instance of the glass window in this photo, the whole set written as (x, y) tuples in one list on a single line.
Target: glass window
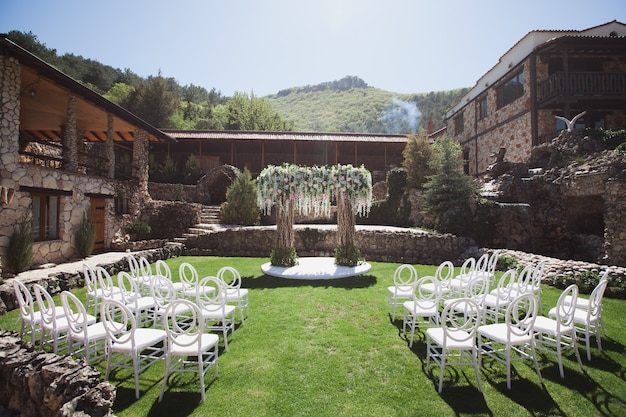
[(511, 90), (458, 123), (45, 217), (482, 108)]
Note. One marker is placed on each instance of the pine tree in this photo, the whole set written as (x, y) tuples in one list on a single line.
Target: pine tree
[(449, 190), (241, 201)]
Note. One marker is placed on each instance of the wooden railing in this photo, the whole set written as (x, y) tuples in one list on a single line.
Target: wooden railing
[(582, 84)]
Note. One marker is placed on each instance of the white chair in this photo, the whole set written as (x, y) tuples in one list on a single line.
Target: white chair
[(587, 322), (554, 335), (476, 289), (29, 315), (404, 278), (163, 294), (424, 305), (490, 270), (514, 339), (54, 328), (133, 266), (90, 337), (466, 273), (218, 315), (93, 293), (129, 346), (191, 283), (141, 306), (456, 339), (189, 349), (523, 283), (234, 293), (106, 288), (583, 303), (163, 269), (496, 302), (144, 278), (443, 274)]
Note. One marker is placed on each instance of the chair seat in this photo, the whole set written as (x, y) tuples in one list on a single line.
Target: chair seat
[(219, 313), (233, 294), (582, 303), (94, 332), (493, 300), (400, 291), (417, 310), (549, 326), (144, 338), (436, 334), (498, 333), (580, 316), (186, 345), (62, 324), (430, 287)]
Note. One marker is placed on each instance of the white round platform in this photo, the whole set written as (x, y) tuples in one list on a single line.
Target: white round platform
[(315, 268)]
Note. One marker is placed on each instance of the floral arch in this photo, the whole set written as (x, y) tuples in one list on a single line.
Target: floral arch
[(311, 190)]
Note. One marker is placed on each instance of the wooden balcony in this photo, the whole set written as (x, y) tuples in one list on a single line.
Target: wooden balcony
[(582, 87)]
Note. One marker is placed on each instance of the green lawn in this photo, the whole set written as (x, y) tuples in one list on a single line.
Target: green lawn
[(328, 348)]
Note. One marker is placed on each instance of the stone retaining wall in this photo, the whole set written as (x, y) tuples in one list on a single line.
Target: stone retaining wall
[(38, 384)]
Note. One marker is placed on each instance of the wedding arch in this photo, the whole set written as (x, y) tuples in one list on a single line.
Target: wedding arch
[(312, 190)]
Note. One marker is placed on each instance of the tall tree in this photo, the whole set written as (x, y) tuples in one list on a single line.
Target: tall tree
[(154, 101), (253, 113), (449, 190), (417, 157)]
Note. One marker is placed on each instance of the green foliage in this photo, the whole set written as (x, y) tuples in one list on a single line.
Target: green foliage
[(396, 183), (355, 108), (192, 172), (138, 230), (612, 139), (417, 156), (241, 201), (506, 262), (124, 168), (85, 235), (154, 100), (169, 171), (284, 257), (348, 255), (253, 113), (449, 190), (20, 248)]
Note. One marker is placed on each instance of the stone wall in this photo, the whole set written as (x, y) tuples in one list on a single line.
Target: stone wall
[(381, 244), (38, 384)]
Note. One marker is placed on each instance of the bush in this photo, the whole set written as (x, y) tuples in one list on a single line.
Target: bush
[(20, 248), (241, 201), (138, 230), (348, 255), (85, 235), (283, 257)]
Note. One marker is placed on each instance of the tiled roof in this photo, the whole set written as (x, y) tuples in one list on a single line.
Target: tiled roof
[(182, 135)]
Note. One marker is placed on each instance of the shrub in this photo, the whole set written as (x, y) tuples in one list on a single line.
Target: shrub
[(348, 255), (85, 235), (506, 262), (283, 257), (138, 230), (241, 201), (20, 248), (417, 155)]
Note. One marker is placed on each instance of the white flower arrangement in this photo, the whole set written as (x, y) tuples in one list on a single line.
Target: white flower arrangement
[(312, 189)]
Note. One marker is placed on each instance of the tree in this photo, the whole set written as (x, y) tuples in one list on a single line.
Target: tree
[(154, 101), (253, 113), (417, 157), (241, 201), (449, 190)]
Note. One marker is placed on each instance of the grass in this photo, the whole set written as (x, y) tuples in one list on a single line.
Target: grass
[(328, 348)]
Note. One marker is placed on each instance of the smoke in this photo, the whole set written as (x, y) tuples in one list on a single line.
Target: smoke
[(401, 117)]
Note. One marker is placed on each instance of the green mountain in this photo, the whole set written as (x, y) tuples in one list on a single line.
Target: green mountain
[(350, 105)]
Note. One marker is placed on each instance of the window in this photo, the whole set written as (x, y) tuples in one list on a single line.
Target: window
[(121, 205), (511, 90), (458, 123), (482, 108), (45, 216)]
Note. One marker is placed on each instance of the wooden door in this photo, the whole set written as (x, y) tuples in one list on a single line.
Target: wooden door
[(97, 206)]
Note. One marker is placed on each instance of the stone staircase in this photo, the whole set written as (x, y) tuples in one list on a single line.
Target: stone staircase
[(209, 219)]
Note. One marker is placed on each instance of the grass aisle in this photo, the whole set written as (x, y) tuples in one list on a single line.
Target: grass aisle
[(328, 348)]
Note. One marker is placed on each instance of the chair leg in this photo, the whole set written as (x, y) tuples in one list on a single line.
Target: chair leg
[(534, 358), (474, 354), (443, 366)]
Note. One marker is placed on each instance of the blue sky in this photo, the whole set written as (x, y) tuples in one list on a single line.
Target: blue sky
[(263, 46)]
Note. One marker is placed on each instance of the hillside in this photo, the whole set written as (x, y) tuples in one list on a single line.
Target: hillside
[(350, 105)]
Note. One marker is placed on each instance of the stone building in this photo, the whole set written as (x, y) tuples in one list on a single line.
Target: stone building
[(65, 149), (545, 74)]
